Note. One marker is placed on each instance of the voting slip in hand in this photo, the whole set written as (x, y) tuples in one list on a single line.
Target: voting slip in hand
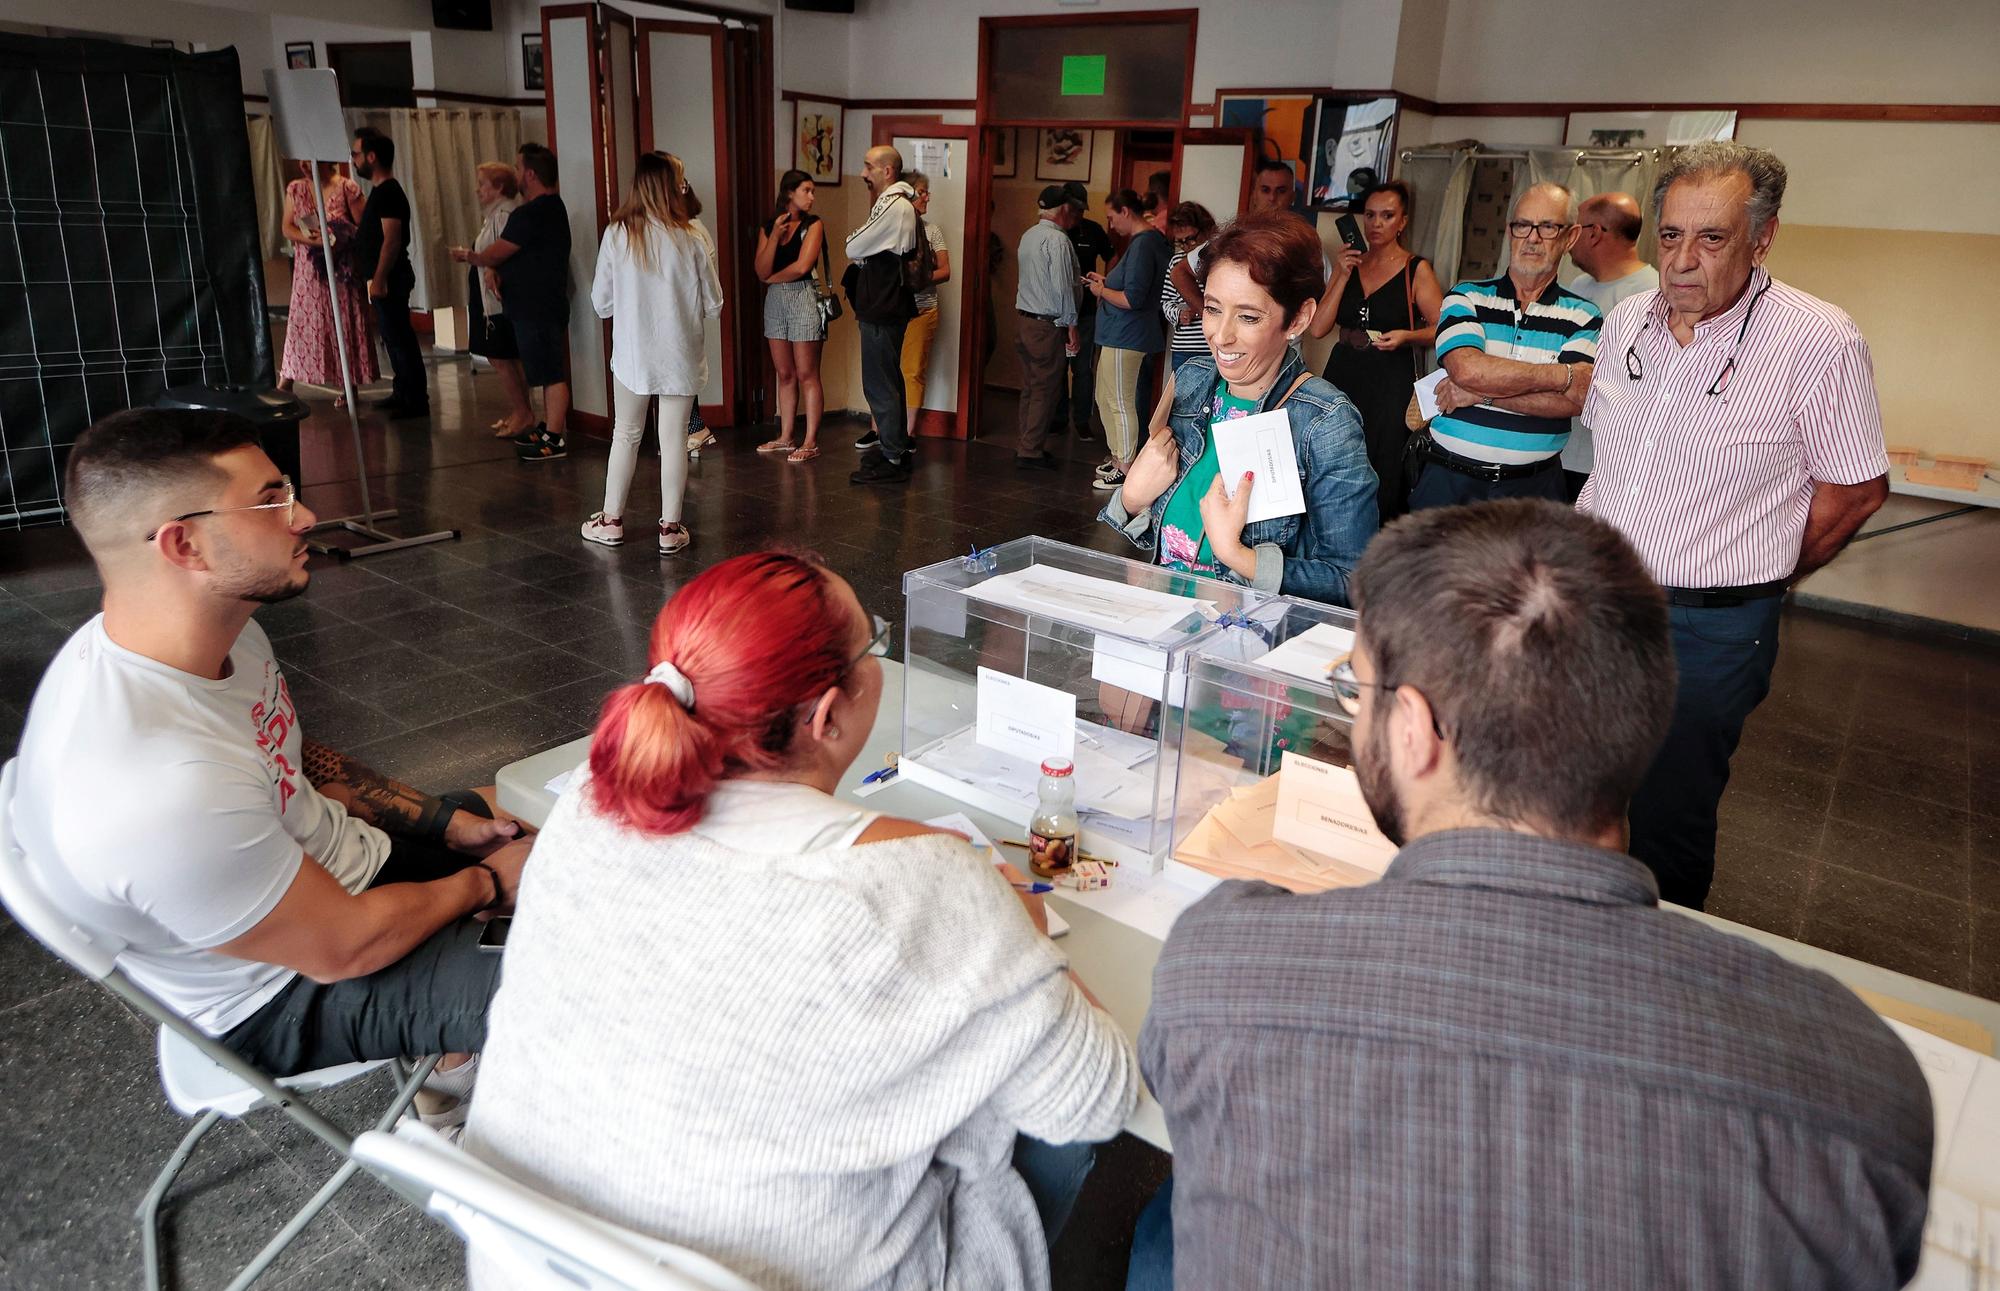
[(1260, 443)]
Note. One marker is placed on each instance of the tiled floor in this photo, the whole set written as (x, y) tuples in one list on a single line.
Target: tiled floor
[(1852, 822)]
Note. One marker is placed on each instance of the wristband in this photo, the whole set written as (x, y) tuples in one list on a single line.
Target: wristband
[(1569, 376), (499, 893), (436, 820)]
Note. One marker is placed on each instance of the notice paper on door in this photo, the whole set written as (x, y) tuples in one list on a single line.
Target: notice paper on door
[(1261, 442), (1427, 393), (1024, 719), (1320, 809)]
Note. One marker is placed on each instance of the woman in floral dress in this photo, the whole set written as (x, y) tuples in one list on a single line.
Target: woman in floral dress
[(311, 354)]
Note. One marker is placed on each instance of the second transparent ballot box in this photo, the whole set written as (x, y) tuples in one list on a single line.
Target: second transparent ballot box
[(1265, 786), (1036, 649)]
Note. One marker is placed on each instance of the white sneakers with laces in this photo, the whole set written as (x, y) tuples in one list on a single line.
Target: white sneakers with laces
[(600, 528), (673, 537)]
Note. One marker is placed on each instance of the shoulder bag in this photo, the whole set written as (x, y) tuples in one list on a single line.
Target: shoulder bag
[(822, 283)]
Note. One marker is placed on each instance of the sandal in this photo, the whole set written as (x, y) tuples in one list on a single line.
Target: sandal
[(805, 454), (776, 446)]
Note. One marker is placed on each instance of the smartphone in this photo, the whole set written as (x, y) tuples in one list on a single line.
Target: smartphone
[(493, 936), (1350, 233)]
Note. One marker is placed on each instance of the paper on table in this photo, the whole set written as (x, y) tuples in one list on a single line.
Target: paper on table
[(560, 782), (1320, 808), (1024, 718), (959, 756), (960, 823), (1261, 442), (1427, 393), (1149, 902), (1310, 653), (1138, 612)]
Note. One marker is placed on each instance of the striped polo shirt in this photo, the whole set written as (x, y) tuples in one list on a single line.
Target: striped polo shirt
[(1561, 327)]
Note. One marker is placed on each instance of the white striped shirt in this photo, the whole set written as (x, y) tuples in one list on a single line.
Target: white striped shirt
[(1714, 490)]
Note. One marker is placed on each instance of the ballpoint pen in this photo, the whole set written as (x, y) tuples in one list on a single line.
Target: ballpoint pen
[(1034, 889), (877, 777)]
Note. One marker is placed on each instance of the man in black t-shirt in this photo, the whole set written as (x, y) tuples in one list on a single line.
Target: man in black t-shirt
[(532, 255), (382, 246), (1076, 398)]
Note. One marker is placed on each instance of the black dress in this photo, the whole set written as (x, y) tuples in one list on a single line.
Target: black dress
[(1379, 382)]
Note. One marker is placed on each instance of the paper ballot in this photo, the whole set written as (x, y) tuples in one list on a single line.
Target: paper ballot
[(1261, 442), (1427, 393)]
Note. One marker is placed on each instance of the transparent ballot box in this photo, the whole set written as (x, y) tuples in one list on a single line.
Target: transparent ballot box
[(1265, 787), (1037, 649)]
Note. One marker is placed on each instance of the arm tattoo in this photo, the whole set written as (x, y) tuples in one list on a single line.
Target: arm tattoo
[(382, 802)]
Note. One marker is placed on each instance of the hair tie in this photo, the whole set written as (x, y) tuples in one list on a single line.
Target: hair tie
[(676, 682)]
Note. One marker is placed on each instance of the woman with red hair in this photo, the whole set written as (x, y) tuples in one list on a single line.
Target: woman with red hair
[(822, 1046)]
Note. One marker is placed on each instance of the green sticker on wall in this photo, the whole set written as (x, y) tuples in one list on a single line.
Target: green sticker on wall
[(1083, 74)]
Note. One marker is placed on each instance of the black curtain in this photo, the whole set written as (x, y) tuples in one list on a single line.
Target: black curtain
[(129, 256)]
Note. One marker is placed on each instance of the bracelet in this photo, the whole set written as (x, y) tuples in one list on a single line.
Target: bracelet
[(499, 893), (1569, 376)]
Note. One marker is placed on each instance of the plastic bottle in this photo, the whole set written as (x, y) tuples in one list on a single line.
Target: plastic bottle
[(1052, 832)]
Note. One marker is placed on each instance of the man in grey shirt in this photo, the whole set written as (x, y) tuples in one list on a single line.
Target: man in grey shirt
[(1046, 303), (1503, 1064), (1607, 250)]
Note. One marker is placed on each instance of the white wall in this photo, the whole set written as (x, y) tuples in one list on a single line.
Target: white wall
[(929, 49), (1701, 51)]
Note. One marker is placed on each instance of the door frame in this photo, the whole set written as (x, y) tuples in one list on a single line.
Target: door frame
[(979, 182), (723, 414)]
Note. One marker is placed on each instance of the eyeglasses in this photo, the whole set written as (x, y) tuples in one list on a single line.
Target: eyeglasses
[(1635, 367), (1541, 230), (289, 501), (878, 642), (1347, 689)]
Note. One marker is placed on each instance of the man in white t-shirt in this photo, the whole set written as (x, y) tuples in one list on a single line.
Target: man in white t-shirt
[(300, 907), (1607, 250)]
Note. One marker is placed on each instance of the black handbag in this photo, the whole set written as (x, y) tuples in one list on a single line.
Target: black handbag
[(823, 293)]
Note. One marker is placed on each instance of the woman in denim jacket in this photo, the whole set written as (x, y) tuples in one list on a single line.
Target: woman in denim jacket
[(1262, 283)]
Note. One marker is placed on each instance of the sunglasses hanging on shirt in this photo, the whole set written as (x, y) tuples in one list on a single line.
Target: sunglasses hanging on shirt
[(1635, 369)]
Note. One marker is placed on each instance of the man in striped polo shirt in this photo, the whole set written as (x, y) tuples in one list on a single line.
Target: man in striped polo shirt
[(1518, 350), (1739, 448)]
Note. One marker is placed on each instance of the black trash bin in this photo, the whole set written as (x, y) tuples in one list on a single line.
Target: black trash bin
[(275, 413)]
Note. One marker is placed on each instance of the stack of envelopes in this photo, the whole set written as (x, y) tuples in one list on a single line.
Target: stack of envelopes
[(1234, 841)]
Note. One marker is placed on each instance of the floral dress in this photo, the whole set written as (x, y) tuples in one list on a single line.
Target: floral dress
[(310, 353), (1183, 541)]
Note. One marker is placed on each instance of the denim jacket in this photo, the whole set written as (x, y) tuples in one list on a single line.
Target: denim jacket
[(1308, 555)]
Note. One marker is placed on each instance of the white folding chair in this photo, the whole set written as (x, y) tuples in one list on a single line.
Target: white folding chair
[(541, 1241), (202, 1078)]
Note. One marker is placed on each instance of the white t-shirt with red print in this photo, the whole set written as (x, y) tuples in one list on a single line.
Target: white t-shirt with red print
[(172, 811)]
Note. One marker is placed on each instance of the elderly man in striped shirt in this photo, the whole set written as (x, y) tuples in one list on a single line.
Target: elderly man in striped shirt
[(1518, 350), (1739, 447)]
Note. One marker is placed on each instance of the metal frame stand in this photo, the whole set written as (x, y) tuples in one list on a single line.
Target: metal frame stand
[(362, 525)]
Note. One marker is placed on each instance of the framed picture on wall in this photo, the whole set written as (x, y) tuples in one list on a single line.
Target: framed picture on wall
[(816, 139), (1005, 160), (1352, 152), (1062, 152), (1284, 123), (299, 54), (533, 75), (1647, 129)]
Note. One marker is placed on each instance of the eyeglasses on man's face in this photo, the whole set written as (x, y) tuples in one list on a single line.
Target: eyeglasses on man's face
[(1347, 688), (286, 504), (1540, 230)]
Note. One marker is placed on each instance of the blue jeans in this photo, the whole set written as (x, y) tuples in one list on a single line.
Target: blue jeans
[(1054, 1173), (882, 384), (1152, 1265), (1725, 655), (406, 357)]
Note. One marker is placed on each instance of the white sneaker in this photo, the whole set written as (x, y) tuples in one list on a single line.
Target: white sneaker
[(1106, 469), (604, 529), (673, 537)]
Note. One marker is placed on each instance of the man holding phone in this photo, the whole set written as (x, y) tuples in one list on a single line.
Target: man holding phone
[(300, 907)]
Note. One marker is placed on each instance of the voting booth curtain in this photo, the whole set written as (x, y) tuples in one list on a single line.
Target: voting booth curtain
[(1442, 178), (130, 255), (437, 150)]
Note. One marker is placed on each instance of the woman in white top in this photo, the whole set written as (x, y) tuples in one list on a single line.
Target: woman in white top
[(492, 336), (748, 1017), (656, 277)]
